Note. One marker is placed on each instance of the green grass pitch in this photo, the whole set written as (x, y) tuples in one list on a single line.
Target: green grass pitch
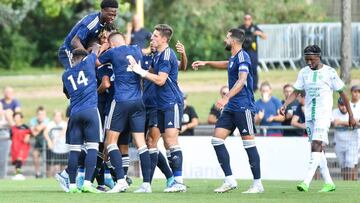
[(47, 190)]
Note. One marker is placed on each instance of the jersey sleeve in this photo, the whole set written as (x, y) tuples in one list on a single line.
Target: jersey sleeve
[(244, 65), (299, 84), (16, 103), (336, 83), (257, 28), (165, 65), (106, 56), (91, 59)]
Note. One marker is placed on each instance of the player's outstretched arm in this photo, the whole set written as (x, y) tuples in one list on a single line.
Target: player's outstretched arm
[(180, 48), (352, 121), (215, 64)]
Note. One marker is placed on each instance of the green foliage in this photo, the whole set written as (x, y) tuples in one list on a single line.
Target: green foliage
[(202, 24)]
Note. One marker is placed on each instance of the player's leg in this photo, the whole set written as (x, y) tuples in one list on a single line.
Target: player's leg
[(108, 169), (245, 123), (80, 178), (123, 144), (76, 140), (137, 124), (224, 126)]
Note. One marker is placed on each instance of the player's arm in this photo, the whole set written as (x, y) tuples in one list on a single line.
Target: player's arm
[(180, 48), (240, 83), (215, 64), (288, 101), (76, 43), (105, 84), (295, 122), (352, 121)]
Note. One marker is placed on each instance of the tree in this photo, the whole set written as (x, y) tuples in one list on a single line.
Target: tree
[(346, 41)]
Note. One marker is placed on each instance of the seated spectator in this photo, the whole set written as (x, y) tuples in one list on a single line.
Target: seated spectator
[(190, 119), (268, 110), (56, 130), (20, 146), (346, 141), (9, 102), (215, 112), (38, 125), (298, 119), (289, 111)]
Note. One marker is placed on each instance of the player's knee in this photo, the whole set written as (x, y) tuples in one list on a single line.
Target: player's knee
[(92, 145), (75, 148), (112, 147), (249, 143), (217, 141)]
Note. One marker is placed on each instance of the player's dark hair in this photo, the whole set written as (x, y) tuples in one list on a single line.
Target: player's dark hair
[(302, 94), (79, 53), (312, 50), (237, 34), (109, 4), (92, 42), (165, 30), (287, 85), (18, 113), (114, 34), (109, 27)]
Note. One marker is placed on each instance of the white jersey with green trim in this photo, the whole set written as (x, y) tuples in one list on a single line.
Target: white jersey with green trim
[(318, 86)]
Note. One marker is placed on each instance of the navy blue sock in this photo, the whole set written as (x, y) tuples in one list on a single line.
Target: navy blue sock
[(82, 157), (222, 155), (176, 160), (90, 163), (163, 166), (73, 165), (154, 160), (254, 161), (145, 163), (126, 162), (116, 161)]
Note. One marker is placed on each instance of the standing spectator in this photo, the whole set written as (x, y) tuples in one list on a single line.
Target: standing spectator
[(38, 126), (190, 119), (298, 119), (59, 149), (252, 31), (346, 141), (355, 107), (9, 102), (136, 34), (6, 121), (289, 111), (214, 111), (267, 108), (20, 147)]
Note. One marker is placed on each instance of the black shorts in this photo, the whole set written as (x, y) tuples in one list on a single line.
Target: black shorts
[(243, 120)]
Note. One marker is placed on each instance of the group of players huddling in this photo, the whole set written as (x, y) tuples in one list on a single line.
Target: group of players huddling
[(129, 92)]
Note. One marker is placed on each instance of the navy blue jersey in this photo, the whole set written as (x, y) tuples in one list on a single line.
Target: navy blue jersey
[(80, 83), (108, 95), (127, 83), (149, 95), (86, 29), (245, 98), (168, 94)]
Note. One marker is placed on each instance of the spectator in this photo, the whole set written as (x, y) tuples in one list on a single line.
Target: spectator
[(289, 111), (56, 130), (252, 31), (355, 107), (268, 107), (9, 102), (20, 147), (346, 141), (136, 34), (6, 120), (190, 119), (215, 112), (298, 119), (38, 125)]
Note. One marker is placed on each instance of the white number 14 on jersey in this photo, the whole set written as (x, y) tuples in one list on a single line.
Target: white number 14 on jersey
[(81, 79)]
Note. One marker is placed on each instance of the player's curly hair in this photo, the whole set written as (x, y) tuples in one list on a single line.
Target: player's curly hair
[(109, 4), (312, 50)]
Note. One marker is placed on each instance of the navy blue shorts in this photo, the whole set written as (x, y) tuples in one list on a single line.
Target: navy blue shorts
[(243, 120), (84, 126), (64, 56), (127, 114), (170, 118), (151, 117)]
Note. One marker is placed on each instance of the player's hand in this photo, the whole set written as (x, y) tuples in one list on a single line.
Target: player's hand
[(222, 102), (282, 110), (136, 67), (352, 122), (196, 64), (180, 48)]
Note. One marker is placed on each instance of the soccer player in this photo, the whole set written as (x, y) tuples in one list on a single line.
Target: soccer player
[(86, 29), (169, 100), (238, 111), (85, 124), (127, 107), (318, 81)]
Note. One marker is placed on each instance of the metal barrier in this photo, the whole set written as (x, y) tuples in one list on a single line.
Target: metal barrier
[(286, 42)]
